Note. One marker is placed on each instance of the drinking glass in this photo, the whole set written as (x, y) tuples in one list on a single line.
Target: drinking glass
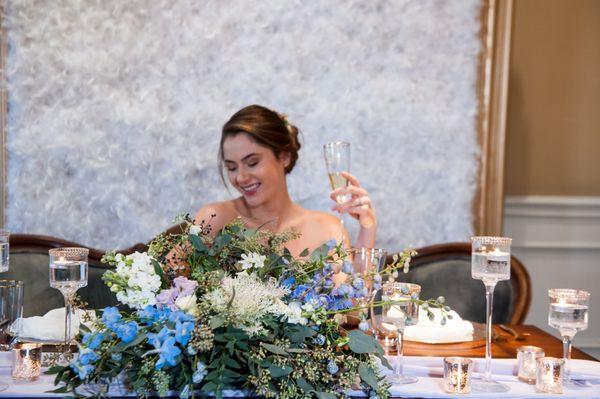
[(11, 314), (568, 313), (490, 263), (337, 160), (397, 312), (4, 250), (68, 273), (366, 262)]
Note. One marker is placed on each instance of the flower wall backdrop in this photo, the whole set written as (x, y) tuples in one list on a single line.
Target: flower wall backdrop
[(116, 108)]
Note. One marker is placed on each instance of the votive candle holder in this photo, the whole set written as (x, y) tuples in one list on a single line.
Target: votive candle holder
[(549, 375), (457, 374), (27, 361), (527, 357)]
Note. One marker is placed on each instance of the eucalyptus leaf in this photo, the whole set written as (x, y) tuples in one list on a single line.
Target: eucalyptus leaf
[(278, 350), (216, 322), (279, 371), (367, 375), (305, 386), (325, 395), (197, 243), (361, 343)]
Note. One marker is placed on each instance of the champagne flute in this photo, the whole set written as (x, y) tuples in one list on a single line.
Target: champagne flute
[(397, 312), (490, 263), (568, 313), (68, 273), (337, 160)]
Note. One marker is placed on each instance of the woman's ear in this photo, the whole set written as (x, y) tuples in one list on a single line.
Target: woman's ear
[(285, 158)]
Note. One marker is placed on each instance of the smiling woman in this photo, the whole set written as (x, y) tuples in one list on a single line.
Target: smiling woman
[(259, 147)]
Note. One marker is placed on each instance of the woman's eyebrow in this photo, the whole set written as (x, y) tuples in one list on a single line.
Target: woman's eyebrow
[(243, 159)]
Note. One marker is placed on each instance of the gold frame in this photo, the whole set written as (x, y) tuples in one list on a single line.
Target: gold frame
[(492, 89)]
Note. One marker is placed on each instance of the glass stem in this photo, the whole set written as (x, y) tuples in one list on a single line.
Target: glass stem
[(489, 301), (567, 356), (68, 317), (399, 366)]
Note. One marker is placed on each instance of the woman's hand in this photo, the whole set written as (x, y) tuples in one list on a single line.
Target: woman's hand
[(359, 205)]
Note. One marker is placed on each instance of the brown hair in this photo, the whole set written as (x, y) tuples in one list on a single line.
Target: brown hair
[(266, 127)]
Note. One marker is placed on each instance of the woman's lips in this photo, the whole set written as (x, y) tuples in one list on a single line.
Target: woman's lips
[(250, 189)]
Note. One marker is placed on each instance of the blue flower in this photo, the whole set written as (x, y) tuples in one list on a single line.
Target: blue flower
[(319, 340), (377, 278), (168, 353), (358, 283), (157, 340), (327, 269), (180, 316), (331, 244), (347, 267), (299, 291), (328, 283), (376, 286), (200, 373), (116, 357), (183, 332), (332, 367), (127, 331), (289, 282), (151, 314), (111, 317), (191, 350), (93, 340), (82, 370), (87, 356), (344, 290), (323, 301)]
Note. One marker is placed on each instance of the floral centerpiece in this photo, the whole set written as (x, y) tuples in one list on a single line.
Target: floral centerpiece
[(234, 311)]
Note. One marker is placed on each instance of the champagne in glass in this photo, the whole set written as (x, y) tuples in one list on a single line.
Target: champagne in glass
[(397, 312), (337, 160), (490, 263), (68, 273), (367, 262), (568, 313)]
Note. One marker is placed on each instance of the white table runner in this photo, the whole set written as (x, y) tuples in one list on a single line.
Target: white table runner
[(427, 369)]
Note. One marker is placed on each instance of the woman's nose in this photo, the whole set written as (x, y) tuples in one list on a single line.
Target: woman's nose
[(242, 175)]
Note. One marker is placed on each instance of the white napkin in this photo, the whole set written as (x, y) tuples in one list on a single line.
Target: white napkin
[(432, 332), (51, 326)]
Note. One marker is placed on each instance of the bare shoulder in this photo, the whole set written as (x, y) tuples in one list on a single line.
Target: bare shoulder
[(217, 214), (327, 225)]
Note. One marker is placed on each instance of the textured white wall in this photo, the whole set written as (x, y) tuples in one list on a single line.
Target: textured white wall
[(116, 108)]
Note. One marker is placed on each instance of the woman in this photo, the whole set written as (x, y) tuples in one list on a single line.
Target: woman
[(258, 148)]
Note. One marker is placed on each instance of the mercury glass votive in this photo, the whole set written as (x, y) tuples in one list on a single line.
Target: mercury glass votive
[(549, 375), (527, 362), (27, 361), (457, 374)]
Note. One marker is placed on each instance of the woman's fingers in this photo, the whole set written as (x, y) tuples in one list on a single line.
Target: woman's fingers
[(363, 202), (353, 180), (355, 191)]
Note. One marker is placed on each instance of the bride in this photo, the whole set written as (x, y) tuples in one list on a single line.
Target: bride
[(258, 148)]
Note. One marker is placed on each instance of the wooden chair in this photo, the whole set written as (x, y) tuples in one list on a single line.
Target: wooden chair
[(445, 269), (29, 262)]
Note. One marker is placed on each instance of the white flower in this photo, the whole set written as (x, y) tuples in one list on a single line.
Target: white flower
[(244, 301), (134, 280), (195, 230), (294, 314), (187, 304), (252, 260)]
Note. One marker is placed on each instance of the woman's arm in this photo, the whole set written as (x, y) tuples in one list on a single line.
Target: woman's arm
[(359, 207)]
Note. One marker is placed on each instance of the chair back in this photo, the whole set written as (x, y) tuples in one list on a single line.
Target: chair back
[(29, 262), (445, 269)]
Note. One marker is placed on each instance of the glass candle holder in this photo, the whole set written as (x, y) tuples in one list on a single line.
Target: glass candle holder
[(457, 374), (4, 250), (527, 357), (27, 361), (549, 375)]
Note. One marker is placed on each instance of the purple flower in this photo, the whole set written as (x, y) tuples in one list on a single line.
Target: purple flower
[(184, 286), (167, 298), (347, 267), (330, 244)]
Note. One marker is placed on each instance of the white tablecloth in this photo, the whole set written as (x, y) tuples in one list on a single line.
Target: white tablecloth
[(427, 369)]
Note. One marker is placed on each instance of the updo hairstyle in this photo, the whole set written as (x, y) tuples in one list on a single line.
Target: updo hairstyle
[(265, 127)]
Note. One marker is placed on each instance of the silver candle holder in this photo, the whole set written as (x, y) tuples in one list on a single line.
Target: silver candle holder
[(549, 375), (527, 357), (457, 374), (26, 361)]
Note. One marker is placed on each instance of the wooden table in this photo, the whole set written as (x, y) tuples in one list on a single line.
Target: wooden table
[(503, 346)]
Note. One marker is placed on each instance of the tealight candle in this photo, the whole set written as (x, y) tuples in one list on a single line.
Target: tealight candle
[(527, 362), (457, 374), (549, 375), (27, 359)]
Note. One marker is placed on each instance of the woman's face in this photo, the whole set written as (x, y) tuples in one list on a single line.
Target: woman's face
[(253, 169)]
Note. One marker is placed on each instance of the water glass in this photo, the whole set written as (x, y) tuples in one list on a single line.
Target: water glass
[(398, 310), (337, 160), (490, 263), (11, 312), (366, 264), (568, 312), (457, 374), (4, 250), (68, 273)]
